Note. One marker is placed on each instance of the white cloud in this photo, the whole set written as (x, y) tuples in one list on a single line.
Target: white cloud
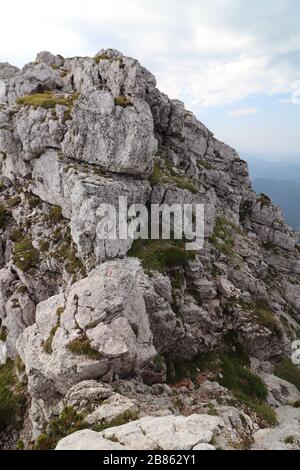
[(208, 53), (296, 93), (242, 111)]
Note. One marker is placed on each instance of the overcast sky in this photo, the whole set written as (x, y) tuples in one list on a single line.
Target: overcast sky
[(235, 63)]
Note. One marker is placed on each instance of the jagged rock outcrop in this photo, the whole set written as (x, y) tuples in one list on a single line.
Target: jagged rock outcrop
[(83, 311), (168, 432)]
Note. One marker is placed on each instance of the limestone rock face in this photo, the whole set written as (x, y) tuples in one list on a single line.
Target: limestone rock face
[(101, 328), (285, 436), (100, 324), (117, 138), (166, 433), (87, 440)]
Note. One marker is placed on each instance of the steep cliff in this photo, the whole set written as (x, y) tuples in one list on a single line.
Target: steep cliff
[(108, 320)]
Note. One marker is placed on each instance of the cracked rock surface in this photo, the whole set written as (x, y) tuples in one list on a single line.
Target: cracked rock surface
[(126, 333)]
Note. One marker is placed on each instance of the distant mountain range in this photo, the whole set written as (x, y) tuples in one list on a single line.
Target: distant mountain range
[(279, 179)]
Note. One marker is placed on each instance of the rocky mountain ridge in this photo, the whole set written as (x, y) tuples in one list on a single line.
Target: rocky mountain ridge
[(79, 312)]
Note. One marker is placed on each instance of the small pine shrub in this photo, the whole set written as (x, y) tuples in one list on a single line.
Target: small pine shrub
[(68, 422)]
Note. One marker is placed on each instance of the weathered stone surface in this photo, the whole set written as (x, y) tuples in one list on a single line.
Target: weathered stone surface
[(107, 311), (87, 440), (285, 436), (281, 392), (166, 433), (117, 138)]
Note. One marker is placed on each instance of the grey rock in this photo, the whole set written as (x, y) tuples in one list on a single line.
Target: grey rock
[(87, 440)]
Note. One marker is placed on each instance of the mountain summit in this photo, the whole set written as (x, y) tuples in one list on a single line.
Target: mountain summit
[(192, 347)]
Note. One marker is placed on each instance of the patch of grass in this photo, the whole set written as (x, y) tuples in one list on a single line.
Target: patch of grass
[(177, 279), (205, 164), (44, 246), (33, 201), (20, 445), (230, 366), (47, 100), (11, 398), (262, 315), (124, 418), (68, 422), (212, 410), (19, 364), (3, 333), (2, 216), (196, 295), (222, 238), (289, 440), (21, 289), (184, 183), (2, 185), (161, 255), (13, 201), (73, 265), (16, 235), (67, 115), (160, 176), (264, 200), (55, 214), (100, 57), (159, 362), (82, 347), (47, 345), (288, 371), (296, 404), (123, 101), (26, 257)]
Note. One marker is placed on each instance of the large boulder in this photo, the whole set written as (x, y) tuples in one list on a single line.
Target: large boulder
[(117, 135), (101, 329), (150, 433)]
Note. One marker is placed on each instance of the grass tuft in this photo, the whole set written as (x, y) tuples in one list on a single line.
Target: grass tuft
[(288, 371), (47, 100), (123, 101), (161, 255), (26, 257), (82, 347), (12, 399)]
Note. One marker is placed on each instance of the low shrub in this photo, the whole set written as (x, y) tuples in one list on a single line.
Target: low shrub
[(12, 399), (161, 255), (66, 423), (288, 371), (26, 257)]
